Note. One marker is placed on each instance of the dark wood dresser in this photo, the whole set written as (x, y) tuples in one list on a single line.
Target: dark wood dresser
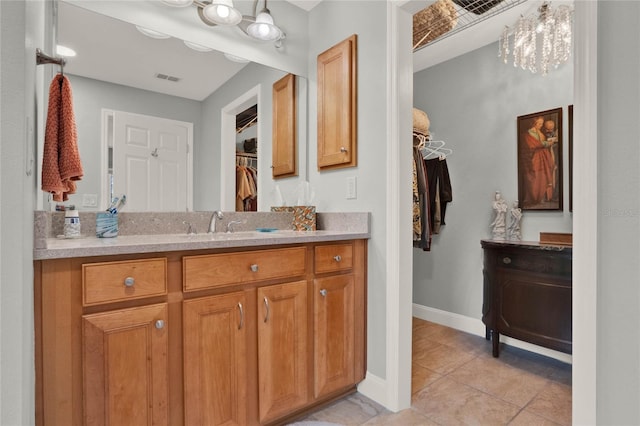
[(527, 293)]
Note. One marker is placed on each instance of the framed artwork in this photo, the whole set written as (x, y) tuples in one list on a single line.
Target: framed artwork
[(540, 160), (570, 129)]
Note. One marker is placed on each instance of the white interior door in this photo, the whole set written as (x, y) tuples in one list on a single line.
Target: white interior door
[(151, 162)]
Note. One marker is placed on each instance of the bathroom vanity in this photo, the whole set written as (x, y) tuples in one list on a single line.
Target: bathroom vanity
[(527, 293), (245, 328)]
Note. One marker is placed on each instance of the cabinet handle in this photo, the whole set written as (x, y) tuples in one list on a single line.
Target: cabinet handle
[(266, 307), (254, 267), (129, 281), (241, 316), (506, 260), (160, 324), (343, 149), (323, 292)]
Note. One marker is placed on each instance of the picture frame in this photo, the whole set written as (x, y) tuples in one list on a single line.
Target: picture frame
[(540, 160), (570, 135)]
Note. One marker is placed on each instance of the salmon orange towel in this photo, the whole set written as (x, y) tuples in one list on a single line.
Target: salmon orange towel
[(61, 165)]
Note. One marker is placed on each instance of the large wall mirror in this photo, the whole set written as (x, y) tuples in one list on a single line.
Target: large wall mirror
[(128, 85)]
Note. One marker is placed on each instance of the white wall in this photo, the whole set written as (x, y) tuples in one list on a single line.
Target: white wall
[(473, 102), (618, 312), (335, 21)]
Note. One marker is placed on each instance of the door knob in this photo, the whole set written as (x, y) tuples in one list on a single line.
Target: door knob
[(323, 292), (160, 324)]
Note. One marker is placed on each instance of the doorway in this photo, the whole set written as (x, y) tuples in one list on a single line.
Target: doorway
[(229, 113), (247, 160)]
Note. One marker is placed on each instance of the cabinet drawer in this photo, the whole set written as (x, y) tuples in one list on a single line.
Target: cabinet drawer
[(552, 263), (332, 258), (126, 280), (216, 270)]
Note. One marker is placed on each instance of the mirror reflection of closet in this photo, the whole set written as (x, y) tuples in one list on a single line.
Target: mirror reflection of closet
[(247, 160)]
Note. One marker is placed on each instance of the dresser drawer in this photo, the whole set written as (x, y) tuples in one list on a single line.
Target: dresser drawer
[(333, 258), (126, 280), (216, 270), (551, 262)]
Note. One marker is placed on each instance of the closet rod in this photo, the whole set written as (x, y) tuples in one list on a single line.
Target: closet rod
[(246, 154)]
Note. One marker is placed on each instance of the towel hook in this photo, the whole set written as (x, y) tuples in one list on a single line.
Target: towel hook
[(43, 58)]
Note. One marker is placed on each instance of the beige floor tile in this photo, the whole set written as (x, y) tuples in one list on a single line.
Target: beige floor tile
[(553, 403), (407, 417), (533, 363), (498, 379), (460, 340), (353, 410), (525, 418), (442, 359), (448, 402), (421, 377)]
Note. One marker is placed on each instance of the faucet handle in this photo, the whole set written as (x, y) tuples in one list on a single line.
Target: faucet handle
[(191, 230), (234, 222)]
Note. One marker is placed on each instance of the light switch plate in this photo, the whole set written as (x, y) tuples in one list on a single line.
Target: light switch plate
[(89, 200), (352, 188)]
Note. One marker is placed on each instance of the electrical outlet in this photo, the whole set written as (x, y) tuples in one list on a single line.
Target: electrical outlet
[(352, 189), (89, 200)]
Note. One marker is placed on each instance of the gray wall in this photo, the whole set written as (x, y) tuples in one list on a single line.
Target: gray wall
[(472, 102), (91, 96), (618, 312), (335, 21), (207, 175)]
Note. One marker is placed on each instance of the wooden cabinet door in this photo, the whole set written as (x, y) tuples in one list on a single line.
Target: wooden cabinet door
[(215, 383), (282, 349), (337, 109), (334, 332), (125, 367), (284, 127)]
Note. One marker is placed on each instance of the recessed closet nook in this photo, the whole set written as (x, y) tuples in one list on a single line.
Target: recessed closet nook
[(247, 160), (466, 107)]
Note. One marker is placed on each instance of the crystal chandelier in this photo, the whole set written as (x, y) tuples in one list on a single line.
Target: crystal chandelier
[(539, 41)]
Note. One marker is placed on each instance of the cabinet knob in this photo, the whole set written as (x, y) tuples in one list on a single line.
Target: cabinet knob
[(343, 149), (323, 292), (160, 324), (129, 281), (506, 260), (254, 267), (337, 258)]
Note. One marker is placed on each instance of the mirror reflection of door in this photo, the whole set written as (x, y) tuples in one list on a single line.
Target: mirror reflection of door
[(150, 162), (247, 160)]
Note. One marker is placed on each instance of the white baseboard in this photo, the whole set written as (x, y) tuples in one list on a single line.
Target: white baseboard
[(476, 326), (375, 388)]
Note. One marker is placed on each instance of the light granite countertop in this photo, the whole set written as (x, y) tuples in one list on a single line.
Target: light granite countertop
[(331, 227)]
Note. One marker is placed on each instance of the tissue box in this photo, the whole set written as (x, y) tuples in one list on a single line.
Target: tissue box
[(304, 217), (106, 225)]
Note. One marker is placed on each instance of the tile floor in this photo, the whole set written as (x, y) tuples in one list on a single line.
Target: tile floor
[(456, 381)]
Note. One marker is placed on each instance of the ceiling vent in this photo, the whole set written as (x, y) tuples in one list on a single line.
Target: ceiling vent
[(167, 77)]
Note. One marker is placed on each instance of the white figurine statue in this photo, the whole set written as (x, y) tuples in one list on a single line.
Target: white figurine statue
[(499, 224), (514, 224)]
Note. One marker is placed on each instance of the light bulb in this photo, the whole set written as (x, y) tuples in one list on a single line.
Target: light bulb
[(222, 11)]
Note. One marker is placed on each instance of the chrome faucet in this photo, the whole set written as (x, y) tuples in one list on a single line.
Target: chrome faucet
[(214, 217), (233, 222)]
